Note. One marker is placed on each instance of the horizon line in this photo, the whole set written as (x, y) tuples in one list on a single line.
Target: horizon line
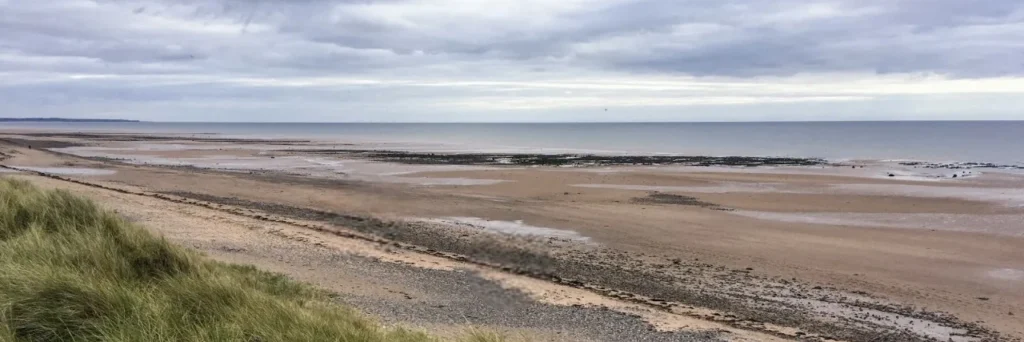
[(102, 120)]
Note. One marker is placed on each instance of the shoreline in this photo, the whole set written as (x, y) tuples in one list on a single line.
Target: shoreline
[(433, 153), (627, 260)]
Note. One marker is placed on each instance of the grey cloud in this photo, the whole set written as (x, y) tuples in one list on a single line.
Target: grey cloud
[(272, 52), (945, 37), (965, 39)]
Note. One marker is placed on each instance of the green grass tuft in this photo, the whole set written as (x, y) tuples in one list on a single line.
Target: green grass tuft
[(70, 271)]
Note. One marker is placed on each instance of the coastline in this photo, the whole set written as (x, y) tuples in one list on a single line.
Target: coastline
[(938, 142), (629, 262)]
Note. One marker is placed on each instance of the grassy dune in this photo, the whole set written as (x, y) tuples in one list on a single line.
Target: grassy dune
[(70, 271)]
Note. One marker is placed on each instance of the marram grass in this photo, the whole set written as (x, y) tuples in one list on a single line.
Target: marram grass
[(71, 271)]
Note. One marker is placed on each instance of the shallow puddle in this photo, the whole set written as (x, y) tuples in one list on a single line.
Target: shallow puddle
[(1002, 224), (428, 181), (1007, 196), (69, 171), (720, 188), (508, 227), (1011, 274), (1013, 197)]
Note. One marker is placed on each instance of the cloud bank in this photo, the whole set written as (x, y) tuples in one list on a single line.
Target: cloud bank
[(526, 60)]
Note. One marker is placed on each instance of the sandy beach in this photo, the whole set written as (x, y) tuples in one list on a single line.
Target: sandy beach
[(582, 248)]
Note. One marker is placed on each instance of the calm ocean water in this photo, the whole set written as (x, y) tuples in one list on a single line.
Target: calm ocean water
[(975, 141)]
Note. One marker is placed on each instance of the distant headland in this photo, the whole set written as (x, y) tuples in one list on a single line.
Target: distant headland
[(62, 120)]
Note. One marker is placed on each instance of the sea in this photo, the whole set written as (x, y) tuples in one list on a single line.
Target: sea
[(999, 142)]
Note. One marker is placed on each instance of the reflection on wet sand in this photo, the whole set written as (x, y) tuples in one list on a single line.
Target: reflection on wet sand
[(508, 227), (257, 158)]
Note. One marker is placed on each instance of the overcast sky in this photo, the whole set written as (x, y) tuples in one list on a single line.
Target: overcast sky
[(513, 60)]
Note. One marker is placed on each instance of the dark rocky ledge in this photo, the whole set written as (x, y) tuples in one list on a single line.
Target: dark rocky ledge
[(530, 159)]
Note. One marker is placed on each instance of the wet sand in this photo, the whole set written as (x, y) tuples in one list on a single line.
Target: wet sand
[(753, 243)]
